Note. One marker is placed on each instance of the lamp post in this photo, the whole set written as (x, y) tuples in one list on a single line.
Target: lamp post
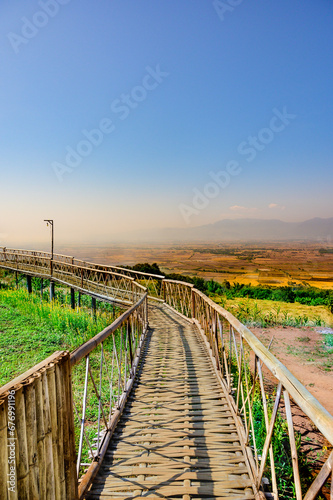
[(50, 221)]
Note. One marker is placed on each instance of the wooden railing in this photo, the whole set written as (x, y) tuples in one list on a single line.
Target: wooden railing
[(103, 372), (247, 371), (106, 285), (37, 451), (30, 260), (57, 419)]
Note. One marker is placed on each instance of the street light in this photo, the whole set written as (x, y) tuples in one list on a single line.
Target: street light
[(50, 221)]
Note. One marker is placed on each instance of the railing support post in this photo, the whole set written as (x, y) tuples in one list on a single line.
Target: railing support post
[(163, 289), (192, 303), (52, 290), (72, 298), (29, 287), (93, 306), (16, 279)]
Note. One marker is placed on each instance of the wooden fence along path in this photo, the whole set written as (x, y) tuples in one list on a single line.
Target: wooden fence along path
[(160, 404), (177, 437)]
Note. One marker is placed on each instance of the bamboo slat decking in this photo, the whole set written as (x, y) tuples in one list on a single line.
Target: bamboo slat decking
[(177, 437)]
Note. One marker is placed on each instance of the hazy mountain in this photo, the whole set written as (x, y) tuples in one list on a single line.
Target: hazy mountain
[(240, 230)]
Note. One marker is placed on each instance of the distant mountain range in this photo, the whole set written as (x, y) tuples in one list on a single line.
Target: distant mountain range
[(316, 229)]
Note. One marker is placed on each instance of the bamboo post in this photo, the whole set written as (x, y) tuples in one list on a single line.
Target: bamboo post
[(317, 484), (69, 434), (192, 303), (49, 466), (31, 422), (60, 421), (22, 465), (72, 298), (52, 290), (51, 384), (29, 287), (294, 457), (269, 434), (3, 448), (93, 306), (40, 435)]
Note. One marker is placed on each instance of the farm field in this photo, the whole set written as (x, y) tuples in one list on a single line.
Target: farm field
[(275, 264), (254, 312)]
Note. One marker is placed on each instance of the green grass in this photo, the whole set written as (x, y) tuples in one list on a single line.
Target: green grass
[(31, 330), (329, 340)]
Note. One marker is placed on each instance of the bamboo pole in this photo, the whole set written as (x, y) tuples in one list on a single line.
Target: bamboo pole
[(294, 457), (60, 421), (49, 466), (269, 434), (22, 465), (325, 471), (264, 402), (69, 443), (40, 435), (50, 374), (31, 422), (13, 494), (3, 449)]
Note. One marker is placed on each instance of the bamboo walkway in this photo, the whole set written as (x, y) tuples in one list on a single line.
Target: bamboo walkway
[(177, 437)]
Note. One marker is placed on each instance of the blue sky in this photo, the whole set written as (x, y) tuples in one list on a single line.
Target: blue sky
[(197, 81)]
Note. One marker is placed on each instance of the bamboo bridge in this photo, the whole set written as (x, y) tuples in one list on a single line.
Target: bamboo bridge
[(160, 404)]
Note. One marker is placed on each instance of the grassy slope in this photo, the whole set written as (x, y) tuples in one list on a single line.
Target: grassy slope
[(30, 330)]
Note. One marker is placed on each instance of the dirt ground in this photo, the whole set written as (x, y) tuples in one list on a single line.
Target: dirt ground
[(303, 352)]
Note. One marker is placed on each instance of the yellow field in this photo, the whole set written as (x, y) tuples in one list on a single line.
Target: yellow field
[(263, 263), (281, 312)]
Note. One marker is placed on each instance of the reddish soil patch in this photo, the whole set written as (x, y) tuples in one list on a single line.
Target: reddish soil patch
[(303, 352)]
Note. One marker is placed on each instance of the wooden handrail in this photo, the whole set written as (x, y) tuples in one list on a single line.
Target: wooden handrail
[(190, 285), (91, 344), (92, 264), (305, 400)]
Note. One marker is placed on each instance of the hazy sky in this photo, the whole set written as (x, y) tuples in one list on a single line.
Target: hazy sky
[(120, 115)]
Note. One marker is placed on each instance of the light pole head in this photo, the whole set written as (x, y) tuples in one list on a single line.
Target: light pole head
[(50, 221)]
